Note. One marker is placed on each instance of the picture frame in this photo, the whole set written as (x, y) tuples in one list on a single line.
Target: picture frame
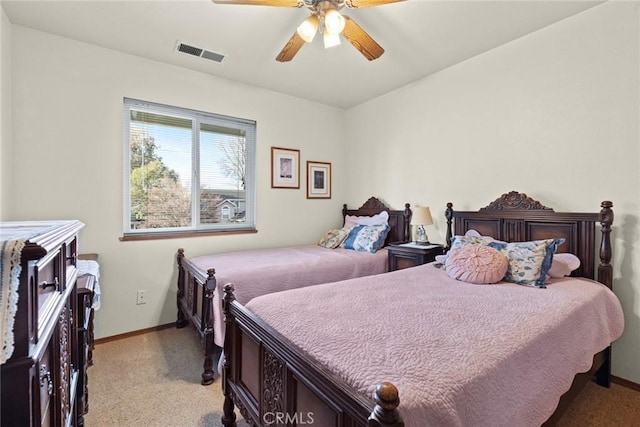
[(285, 168), (318, 180)]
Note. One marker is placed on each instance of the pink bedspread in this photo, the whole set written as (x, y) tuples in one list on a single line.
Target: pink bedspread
[(460, 354), (263, 271)]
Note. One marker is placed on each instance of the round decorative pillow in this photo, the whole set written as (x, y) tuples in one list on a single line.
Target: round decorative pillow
[(477, 264)]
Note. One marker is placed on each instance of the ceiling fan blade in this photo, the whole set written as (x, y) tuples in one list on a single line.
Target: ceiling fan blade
[(291, 48), (355, 4), (283, 3), (361, 40)]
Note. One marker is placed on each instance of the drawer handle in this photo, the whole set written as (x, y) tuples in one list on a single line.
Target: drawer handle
[(45, 374), (45, 285)]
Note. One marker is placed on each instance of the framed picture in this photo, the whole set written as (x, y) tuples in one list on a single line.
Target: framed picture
[(318, 180), (285, 168)]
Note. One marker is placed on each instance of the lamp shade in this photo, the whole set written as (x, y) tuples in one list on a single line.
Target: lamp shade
[(331, 40), (333, 21), (308, 29), (421, 216)]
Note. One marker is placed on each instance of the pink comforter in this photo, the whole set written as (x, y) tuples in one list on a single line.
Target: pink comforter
[(460, 354), (263, 271)]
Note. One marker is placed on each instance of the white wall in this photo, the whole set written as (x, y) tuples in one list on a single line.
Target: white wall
[(68, 147), (5, 115), (554, 114)]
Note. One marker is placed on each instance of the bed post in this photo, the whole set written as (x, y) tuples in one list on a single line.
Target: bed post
[(605, 271), (228, 415), (406, 223), (448, 213), (207, 326), (181, 322), (605, 276), (385, 413)]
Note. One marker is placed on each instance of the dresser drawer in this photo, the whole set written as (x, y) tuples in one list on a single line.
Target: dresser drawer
[(49, 280), (45, 385), (71, 252)]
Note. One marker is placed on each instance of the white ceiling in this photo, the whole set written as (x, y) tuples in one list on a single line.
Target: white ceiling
[(420, 37)]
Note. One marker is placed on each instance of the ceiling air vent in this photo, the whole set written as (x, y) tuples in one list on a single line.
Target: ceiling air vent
[(200, 52)]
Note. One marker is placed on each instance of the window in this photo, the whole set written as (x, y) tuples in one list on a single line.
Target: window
[(186, 171)]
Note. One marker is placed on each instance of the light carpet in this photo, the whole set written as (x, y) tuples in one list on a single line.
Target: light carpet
[(153, 379)]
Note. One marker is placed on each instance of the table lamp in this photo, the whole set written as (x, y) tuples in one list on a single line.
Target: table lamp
[(421, 217)]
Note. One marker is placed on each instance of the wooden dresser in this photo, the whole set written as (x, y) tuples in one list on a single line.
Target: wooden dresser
[(40, 381)]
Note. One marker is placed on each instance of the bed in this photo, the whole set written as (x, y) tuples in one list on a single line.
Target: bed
[(489, 372), (256, 272)]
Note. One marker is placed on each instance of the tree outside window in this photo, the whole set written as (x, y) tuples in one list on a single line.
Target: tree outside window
[(179, 159)]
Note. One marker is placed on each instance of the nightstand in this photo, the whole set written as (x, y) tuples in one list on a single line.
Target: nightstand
[(404, 255)]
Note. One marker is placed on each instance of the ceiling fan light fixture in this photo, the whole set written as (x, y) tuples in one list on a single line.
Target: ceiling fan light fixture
[(333, 21), (308, 29), (325, 18), (331, 40)]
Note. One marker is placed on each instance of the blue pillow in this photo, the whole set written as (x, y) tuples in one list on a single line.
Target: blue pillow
[(367, 238)]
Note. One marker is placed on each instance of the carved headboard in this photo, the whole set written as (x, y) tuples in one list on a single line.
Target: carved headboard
[(399, 221), (515, 217)]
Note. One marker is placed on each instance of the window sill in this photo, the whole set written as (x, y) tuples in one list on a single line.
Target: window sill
[(161, 236)]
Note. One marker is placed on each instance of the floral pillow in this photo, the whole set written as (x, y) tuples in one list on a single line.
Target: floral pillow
[(528, 261), (458, 242), (334, 238), (367, 238)]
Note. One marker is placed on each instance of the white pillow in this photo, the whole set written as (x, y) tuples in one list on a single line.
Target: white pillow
[(379, 219), (472, 233), (562, 265)]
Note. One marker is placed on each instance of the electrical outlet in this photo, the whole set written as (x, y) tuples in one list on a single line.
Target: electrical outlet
[(141, 298)]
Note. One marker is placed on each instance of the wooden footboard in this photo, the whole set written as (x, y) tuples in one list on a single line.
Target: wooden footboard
[(195, 306), (272, 383)]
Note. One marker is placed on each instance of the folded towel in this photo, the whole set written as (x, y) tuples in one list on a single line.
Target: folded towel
[(92, 268)]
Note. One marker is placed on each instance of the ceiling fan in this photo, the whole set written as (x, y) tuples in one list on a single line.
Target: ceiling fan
[(326, 19)]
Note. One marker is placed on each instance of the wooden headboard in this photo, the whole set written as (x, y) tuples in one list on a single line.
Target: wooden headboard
[(515, 217), (398, 220)]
